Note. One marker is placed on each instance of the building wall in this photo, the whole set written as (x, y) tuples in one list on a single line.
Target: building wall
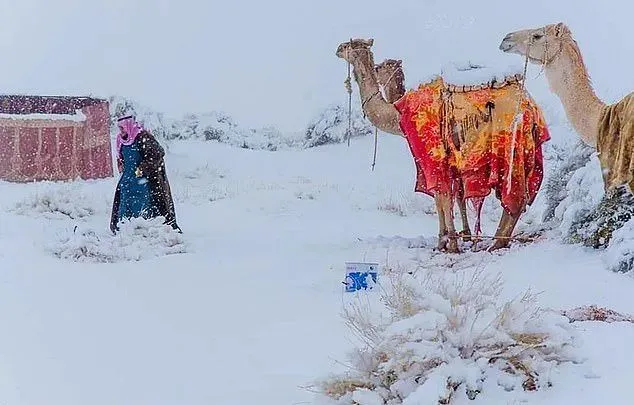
[(56, 149), (32, 150), (96, 153)]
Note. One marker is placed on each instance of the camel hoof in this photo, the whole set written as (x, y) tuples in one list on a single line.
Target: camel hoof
[(452, 244), (453, 250), (448, 244), (442, 242), (453, 247), (465, 235), (448, 249), (498, 244)]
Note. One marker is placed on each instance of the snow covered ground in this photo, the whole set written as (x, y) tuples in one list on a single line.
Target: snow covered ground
[(245, 307)]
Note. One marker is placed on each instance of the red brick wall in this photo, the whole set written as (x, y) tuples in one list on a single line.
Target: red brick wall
[(7, 148), (96, 152), (28, 151), (32, 150)]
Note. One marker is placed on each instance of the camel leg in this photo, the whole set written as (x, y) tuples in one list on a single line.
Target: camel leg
[(450, 237), (466, 231), (462, 205), (505, 230), (442, 225)]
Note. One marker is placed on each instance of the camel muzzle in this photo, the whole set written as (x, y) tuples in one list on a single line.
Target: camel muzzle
[(507, 44), (340, 51)]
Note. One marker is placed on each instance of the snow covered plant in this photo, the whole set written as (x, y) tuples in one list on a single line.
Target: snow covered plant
[(405, 204), (59, 201), (619, 255), (137, 239), (444, 336), (597, 226), (577, 161), (331, 126)]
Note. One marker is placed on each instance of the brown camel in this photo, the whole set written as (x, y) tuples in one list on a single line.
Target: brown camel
[(391, 79), (387, 118), (608, 128)]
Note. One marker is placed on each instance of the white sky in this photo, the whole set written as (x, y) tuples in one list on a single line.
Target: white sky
[(272, 62)]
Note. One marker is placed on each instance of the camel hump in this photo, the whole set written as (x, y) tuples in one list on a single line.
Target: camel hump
[(464, 77)]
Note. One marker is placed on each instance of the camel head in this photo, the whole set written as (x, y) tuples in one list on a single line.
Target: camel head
[(347, 50), (542, 44)]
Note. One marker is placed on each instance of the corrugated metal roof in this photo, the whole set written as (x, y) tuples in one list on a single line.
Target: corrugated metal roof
[(30, 104)]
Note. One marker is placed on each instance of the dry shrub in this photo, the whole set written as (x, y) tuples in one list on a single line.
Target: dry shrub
[(439, 334)]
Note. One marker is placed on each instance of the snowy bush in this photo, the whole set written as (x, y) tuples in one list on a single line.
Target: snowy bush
[(445, 335), (596, 227), (215, 126), (138, 239), (331, 126), (211, 126), (66, 201), (407, 203), (582, 194), (154, 121), (555, 187), (619, 255), (585, 214)]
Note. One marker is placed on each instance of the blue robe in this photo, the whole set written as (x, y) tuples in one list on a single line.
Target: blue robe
[(135, 197)]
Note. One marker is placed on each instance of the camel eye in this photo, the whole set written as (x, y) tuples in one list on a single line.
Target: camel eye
[(537, 37)]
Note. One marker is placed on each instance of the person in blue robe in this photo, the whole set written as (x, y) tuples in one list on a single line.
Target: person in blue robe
[(143, 189)]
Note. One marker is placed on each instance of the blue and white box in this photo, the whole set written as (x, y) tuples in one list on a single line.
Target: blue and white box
[(357, 276)]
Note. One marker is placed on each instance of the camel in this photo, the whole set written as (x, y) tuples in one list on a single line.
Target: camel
[(474, 119), (607, 128), (391, 79)]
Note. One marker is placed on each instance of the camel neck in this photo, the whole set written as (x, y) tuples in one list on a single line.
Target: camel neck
[(364, 74), (394, 90), (569, 80), (383, 115)]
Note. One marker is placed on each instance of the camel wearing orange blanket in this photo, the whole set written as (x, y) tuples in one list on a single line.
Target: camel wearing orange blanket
[(466, 134)]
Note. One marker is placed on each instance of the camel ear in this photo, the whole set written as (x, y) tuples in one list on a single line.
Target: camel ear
[(561, 29), (399, 62)]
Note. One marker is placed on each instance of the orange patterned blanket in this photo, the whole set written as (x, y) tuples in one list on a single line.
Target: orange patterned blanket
[(457, 134)]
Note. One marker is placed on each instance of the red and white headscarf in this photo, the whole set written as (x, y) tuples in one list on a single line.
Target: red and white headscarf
[(129, 129)]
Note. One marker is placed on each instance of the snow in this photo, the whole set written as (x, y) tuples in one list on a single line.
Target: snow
[(470, 73), (78, 116), (247, 305), (136, 240)]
